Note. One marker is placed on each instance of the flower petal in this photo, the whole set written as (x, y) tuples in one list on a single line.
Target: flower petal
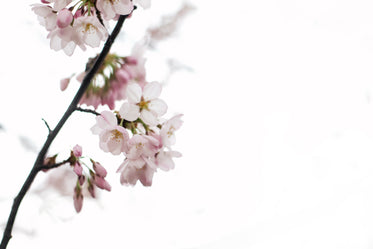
[(129, 111), (149, 117), (134, 93), (158, 106), (109, 117), (152, 90)]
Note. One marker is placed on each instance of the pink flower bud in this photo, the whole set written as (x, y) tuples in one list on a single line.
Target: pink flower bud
[(64, 18), (99, 169), (102, 183), (78, 169), (92, 190), (78, 200), (122, 75), (81, 179), (43, 1), (77, 150), (78, 13), (64, 83), (130, 60)]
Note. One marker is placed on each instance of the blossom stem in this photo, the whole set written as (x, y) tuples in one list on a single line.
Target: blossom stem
[(39, 162)]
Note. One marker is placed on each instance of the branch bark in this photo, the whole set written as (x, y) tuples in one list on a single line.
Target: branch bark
[(38, 165)]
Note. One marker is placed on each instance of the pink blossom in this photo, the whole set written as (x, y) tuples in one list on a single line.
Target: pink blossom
[(109, 9), (164, 159), (140, 161), (113, 138), (90, 30), (144, 103), (65, 39), (60, 4), (141, 146), (130, 175), (64, 18), (46, 16), (168, 130)]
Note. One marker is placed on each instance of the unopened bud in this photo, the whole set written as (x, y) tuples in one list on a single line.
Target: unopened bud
[(102, 183), (64, 18), (99, 169), (122, 75)]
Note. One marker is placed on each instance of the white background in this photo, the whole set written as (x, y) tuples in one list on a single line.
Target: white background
[(277, 141)]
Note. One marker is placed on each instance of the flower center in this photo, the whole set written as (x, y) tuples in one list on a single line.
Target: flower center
[(139, 146), (170, 131), (89, 28), (143, 104), (116, 135)]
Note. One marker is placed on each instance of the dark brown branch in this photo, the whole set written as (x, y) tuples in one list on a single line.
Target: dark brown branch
[(39, 162)]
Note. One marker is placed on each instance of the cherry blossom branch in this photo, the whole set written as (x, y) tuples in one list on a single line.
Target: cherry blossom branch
[(39, 162)]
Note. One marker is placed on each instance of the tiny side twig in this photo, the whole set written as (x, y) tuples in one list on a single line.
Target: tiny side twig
[(56, 165), (88, 111), (47, 125)]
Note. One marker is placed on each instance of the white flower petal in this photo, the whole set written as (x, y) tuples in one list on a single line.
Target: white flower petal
[(123, 7), (149, 118), (129, 111), (134, 93), (158, 106), (108, 117), (144, 3), (152, 90)]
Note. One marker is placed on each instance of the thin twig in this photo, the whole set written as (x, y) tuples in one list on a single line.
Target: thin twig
[(88, 111), (38, 165), (56, 165), (47, 125)]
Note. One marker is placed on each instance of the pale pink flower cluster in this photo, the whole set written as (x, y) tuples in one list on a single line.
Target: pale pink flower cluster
[(107, 89), (95, 177), (146, 145), (110, 83), (72, 23)]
